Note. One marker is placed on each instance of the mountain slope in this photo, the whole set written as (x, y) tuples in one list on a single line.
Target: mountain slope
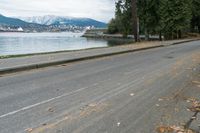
[(58, 20), (12, 21)]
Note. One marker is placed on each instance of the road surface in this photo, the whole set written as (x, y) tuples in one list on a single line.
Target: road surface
[(116, 94)]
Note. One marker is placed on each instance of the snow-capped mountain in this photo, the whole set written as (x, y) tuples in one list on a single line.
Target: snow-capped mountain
[(59, 20), (14, 23), (47, 20), (48, 24)]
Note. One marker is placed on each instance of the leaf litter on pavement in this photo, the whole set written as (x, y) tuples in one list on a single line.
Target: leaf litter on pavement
[(195, 108)]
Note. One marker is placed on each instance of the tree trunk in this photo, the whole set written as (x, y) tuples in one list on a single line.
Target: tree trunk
[(146, 34), (179, 34), (199, 28), (135, 20), (160, 36)]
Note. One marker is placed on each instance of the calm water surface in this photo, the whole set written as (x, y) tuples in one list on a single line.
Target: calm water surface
[(26, 43)]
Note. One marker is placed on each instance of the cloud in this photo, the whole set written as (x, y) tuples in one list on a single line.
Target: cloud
[(98, 9)]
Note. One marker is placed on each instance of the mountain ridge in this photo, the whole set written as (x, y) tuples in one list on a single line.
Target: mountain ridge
[(49, 24), (63, 20), (11, 21)]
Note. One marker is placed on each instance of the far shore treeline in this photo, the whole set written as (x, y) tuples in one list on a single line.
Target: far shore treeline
[(169, 18)]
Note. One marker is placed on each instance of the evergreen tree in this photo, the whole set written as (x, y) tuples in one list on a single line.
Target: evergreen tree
[(112, 27), (170, 18), (123, 17), (195, 23), (149, 16), (122, 21), (175, 17)]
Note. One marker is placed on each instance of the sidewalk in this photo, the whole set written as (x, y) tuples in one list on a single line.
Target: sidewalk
[(9, 65)]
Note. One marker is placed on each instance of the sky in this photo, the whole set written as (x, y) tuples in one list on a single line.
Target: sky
[(102, 10)]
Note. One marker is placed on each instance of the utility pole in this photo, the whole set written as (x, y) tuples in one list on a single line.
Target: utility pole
[(135, 20)]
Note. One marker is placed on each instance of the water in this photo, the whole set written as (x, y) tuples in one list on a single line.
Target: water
[(28, 43)]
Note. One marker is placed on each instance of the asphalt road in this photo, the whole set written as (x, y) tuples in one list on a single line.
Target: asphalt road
[(115, 94)]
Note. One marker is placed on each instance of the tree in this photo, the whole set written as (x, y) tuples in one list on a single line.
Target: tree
[(122, 19), (149, 16), (135, 19), (195, 22), (175, 17), (112, 27), (170, 18)]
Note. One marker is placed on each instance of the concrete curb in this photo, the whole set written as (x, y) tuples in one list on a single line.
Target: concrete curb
[(185, 41), (59, 62)]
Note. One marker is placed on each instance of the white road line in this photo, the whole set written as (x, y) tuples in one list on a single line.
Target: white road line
[(46, 101), (40, 103)]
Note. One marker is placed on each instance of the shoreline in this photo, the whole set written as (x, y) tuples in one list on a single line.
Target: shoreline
[(25, 63), (80, 50)]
